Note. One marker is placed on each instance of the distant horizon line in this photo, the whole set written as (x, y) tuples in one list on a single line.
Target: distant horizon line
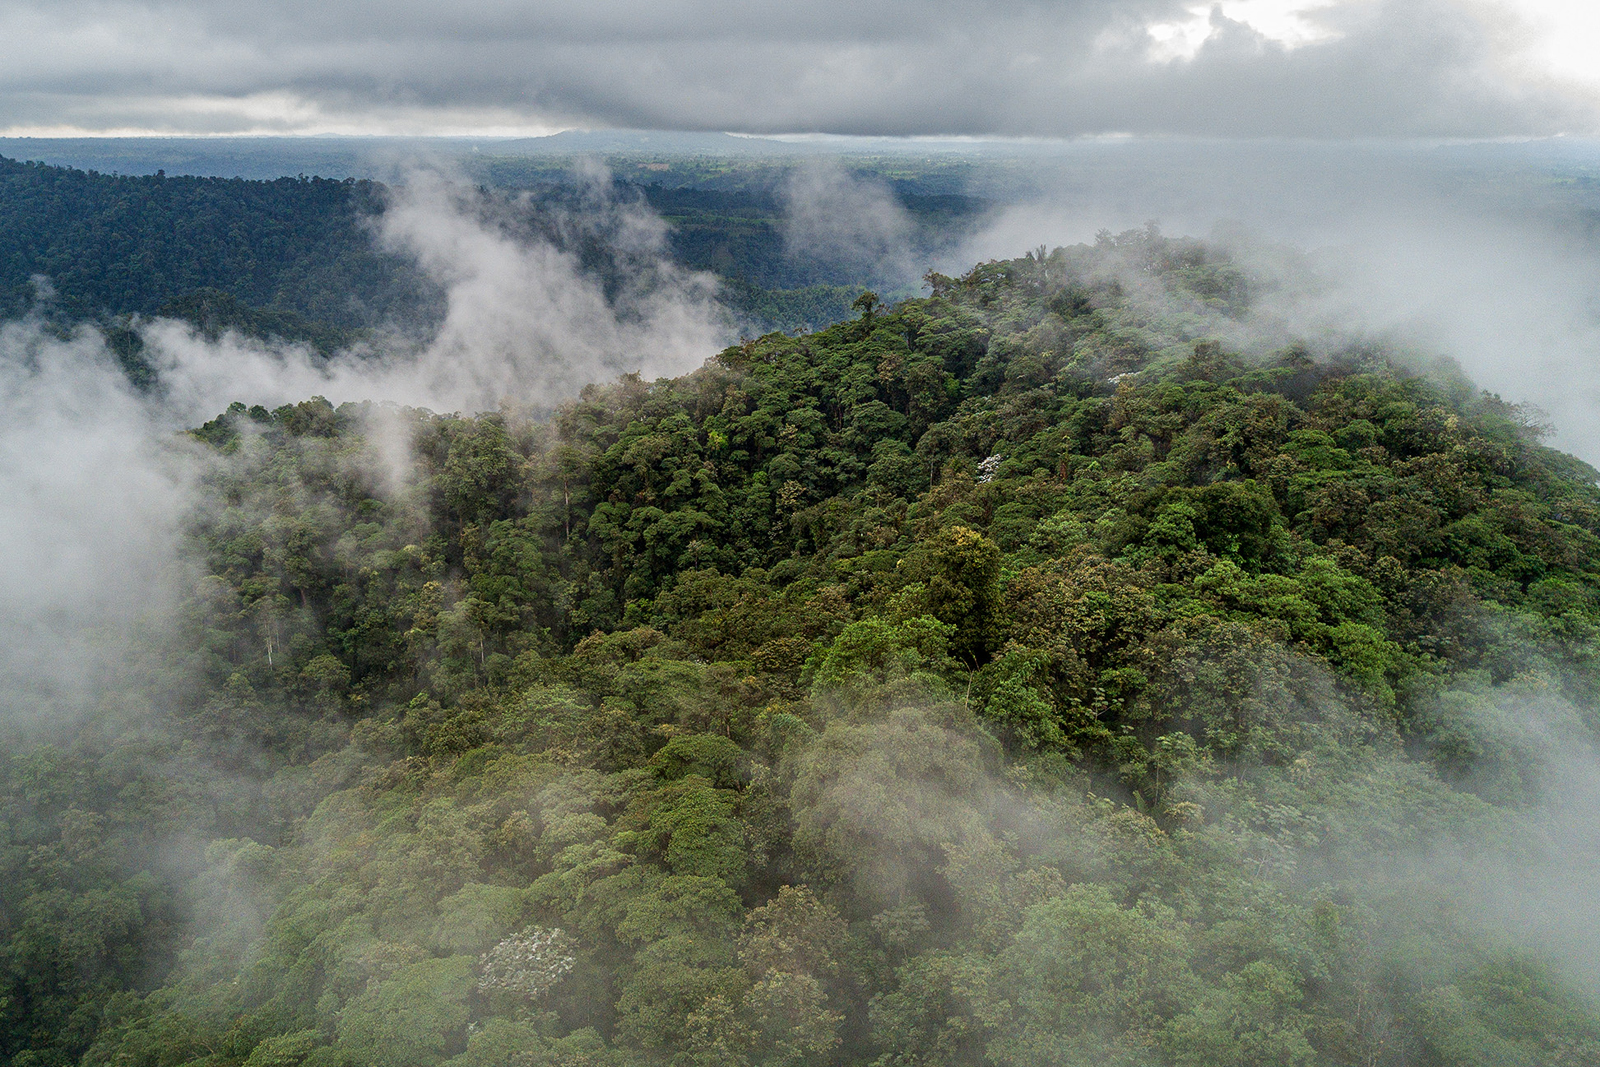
[(800, 138)]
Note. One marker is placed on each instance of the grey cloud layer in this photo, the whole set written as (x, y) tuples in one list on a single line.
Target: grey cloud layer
[(987, 67)]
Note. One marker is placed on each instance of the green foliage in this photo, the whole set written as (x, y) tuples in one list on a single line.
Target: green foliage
[(908, 692), (1088, 981), (293, 258), (290, 258)]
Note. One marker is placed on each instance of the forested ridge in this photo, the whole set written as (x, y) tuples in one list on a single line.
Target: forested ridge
[(1015, 676), (296, 249), (298, 259)]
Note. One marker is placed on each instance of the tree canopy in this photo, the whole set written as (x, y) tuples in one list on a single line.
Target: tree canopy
[(1016, 675)]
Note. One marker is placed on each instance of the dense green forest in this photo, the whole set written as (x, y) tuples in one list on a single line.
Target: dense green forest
[(738, 234), (296, 248), (295, 258), (1015, 676)]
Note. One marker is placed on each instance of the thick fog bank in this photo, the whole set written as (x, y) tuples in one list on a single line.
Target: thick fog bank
[(93, 496)]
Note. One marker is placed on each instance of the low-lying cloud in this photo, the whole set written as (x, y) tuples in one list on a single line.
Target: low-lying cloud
[(89, 528), (98, 478), (523, 320), (1483, 257), (846, 224)]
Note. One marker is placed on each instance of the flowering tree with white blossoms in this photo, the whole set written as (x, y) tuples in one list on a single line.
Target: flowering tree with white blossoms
[(527, 964)]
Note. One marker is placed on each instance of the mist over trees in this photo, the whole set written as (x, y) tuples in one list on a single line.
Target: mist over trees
[(1016, 675), (295, 258)]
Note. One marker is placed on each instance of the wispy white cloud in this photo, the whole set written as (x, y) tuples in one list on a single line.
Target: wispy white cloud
[(97, 477)]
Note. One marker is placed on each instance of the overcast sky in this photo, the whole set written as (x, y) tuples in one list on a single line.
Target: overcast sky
[(1315, 68)]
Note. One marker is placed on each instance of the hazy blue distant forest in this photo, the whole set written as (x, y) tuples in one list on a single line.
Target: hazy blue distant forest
[(1043, 667), (294, 257)]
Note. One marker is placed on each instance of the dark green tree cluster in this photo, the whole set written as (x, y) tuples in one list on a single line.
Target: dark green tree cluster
[(1012, 677), (294, 258), (296, 250)]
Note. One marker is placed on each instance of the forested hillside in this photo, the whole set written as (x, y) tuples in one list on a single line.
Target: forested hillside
[(1016, 676), (296, 248), (298, 259)]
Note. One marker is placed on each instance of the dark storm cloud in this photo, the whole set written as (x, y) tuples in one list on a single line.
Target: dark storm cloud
[(983, 67)]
